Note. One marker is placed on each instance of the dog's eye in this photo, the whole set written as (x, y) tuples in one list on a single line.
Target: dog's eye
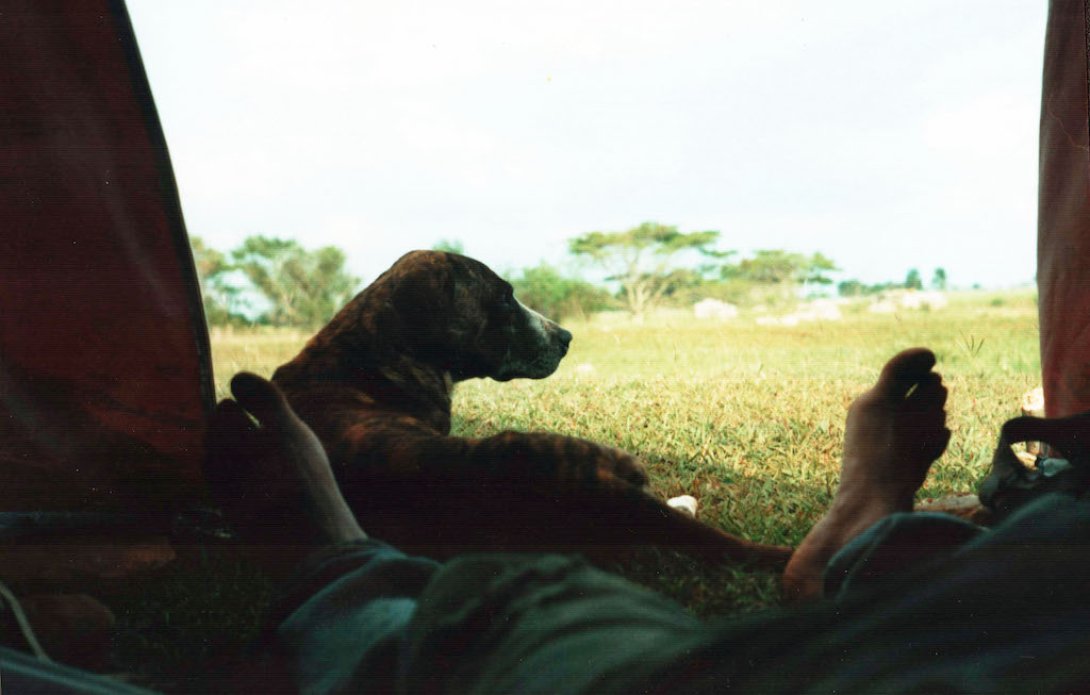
[(507, 301)]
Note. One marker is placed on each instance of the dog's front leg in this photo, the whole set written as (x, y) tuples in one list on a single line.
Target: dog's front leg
[(567, 461), (405, 451)]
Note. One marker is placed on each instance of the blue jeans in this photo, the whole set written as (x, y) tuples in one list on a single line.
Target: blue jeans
[(918, 603)]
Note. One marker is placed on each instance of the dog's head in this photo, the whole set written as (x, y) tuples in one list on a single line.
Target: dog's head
[(452, 312)]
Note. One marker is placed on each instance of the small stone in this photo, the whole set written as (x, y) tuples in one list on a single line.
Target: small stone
[(685, 503)]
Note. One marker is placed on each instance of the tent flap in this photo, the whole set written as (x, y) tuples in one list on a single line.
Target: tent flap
[(105, 375)]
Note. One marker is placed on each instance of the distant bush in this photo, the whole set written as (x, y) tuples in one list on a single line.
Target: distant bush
[(545, 290)]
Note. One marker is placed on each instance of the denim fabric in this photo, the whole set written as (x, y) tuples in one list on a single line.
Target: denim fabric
[(897, 544), (340, 625), (1007, 612), (539, 624), (922, 604)]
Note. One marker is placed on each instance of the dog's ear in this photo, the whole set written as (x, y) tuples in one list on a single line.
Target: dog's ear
[(424, 299), (416, 312)]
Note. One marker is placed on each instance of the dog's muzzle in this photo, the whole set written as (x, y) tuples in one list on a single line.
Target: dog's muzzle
[(538, 353)]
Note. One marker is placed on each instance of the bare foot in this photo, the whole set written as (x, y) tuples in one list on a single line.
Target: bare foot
[(272, 477), (894, 432)]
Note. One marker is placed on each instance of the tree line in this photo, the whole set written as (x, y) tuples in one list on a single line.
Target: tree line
[(270, 281), (654, 265), (274, 281)]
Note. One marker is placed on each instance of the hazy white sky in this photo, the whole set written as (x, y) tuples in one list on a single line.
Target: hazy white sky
[(884, 135)]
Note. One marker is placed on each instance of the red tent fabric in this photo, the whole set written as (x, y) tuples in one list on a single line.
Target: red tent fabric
[(105, 373), (1063, 236)]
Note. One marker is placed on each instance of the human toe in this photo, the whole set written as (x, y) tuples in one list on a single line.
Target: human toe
[(904, 371)]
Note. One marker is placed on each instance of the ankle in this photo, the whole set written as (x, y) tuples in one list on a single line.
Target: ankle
[(866, 496)]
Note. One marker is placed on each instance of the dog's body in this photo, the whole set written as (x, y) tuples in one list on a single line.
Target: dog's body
[(375, 385)]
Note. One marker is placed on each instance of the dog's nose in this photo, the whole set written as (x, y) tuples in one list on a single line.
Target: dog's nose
[(565, 338)]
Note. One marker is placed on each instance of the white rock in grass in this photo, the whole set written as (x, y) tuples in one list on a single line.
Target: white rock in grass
[(1033, 402), (686, 503), (714, 309)]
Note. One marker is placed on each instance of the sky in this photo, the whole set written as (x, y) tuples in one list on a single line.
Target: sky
[(886, 136)]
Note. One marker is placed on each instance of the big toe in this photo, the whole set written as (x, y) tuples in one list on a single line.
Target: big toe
[(903, 371), (260, 397)]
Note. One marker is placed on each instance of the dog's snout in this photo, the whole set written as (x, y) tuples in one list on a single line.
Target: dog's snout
[(564, 337)]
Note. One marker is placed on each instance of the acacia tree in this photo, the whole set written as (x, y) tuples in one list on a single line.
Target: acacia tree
[(304, 288), (641, 259), (817, 269), (778, 267), (775, 275)]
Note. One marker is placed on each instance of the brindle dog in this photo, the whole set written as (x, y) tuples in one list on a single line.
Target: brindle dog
[(375, 385)]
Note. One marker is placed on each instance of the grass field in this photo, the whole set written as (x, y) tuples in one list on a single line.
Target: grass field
[(747, 419)]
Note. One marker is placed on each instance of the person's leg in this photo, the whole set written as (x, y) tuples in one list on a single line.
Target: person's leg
[(923, 602), (341, 623), (270, 475), (540, 624), (893, 433), (361, 615), (1005, 613), (342, 617), (895, 545)]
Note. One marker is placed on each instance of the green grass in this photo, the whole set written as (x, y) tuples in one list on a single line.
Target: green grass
[(747, 419)]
